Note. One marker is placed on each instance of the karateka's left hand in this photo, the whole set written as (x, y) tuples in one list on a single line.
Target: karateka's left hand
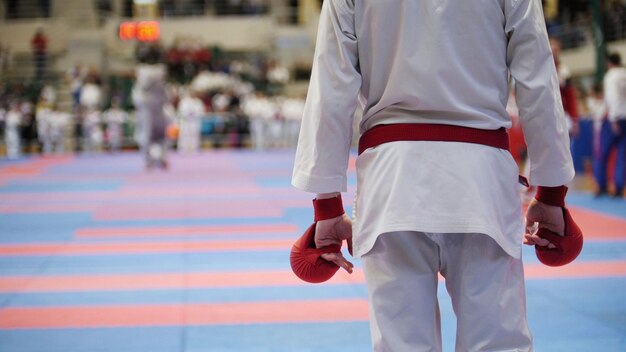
[(541, 215), (333, 232)]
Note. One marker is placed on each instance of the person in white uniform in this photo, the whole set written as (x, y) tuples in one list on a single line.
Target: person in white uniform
[(12, 124), (445, 202), (59, 122), (114, 118), (190, 112), (91, 103), (292, 111), (151, 102), (615, 131), (43, 113)]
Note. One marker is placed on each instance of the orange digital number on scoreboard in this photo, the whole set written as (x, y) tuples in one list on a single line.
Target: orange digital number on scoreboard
[(145, 31), (128, 30)]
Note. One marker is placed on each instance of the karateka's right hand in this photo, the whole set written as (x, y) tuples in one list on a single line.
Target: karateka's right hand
[(333, 232), (541, 215)]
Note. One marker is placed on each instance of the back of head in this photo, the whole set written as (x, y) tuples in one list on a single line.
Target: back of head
[(614, 59)]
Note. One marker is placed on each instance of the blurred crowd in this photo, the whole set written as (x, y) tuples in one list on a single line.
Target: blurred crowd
[(214, 99), (211, 102)]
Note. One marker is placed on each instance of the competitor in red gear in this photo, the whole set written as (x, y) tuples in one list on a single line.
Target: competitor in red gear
[(436, 190)]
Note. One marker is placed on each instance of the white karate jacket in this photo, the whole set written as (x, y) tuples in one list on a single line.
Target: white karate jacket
[(615, 93), (432, 61)]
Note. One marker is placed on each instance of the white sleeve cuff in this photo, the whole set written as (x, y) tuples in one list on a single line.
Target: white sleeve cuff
[(316, 184)]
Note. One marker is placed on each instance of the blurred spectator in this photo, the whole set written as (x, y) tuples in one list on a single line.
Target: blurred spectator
[(277, 77), (51, 124), (28, 126), (202, 57), (615, 98), (186, 58), (91, 102), (262, 113), (75, 76), (43, 112), (596, 107), (292, 109), (93, 136), (39, 44), (114, 119), (150, 53), (49, 94), (59, 122), (91, 94), (174, 60), (238, 127), (190, 112), (12, 124)]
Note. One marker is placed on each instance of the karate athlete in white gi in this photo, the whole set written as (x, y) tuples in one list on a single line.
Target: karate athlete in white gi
[(426, 207), (190, 112), (150, 99), (114, 118)]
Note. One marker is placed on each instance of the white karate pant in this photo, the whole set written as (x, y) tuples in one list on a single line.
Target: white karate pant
[(13, 143), (189, 140), (486, 286)]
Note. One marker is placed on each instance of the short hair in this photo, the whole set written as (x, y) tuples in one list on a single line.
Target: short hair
[(597, 88), (615, 59)]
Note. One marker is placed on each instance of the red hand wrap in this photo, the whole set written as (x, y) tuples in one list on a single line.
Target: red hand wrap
[(554, 196), (327, 208)]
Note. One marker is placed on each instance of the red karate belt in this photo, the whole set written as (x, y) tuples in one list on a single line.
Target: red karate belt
[(380, 134), (568, 247)]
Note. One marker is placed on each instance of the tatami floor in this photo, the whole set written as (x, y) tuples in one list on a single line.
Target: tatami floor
[(99, 254)]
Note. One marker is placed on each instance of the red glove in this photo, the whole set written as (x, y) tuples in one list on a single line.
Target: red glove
[(306, 262), (569, 246), (305, 258)]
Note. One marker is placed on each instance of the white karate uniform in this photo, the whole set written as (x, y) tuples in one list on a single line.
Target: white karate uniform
[(43, 120), (13, 121), (114, 119), (292, 111), (261, 112), (92, 130), (440, 63), (190, 111), (91, 96), (151, 105), (615, 93), (59, 121)]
